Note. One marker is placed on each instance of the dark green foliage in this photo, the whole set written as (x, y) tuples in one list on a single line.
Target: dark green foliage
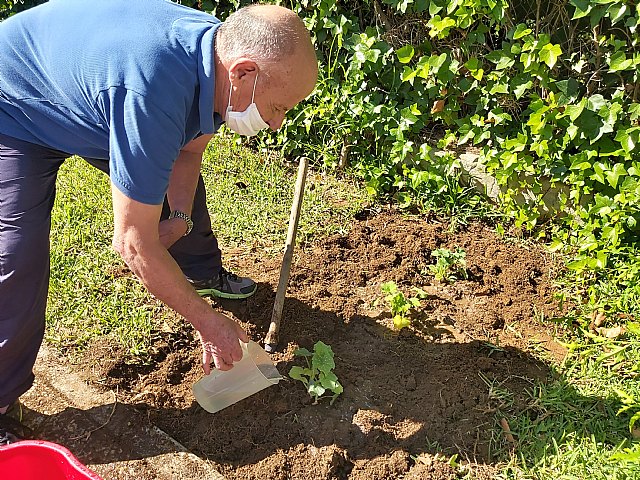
[(10, 7)]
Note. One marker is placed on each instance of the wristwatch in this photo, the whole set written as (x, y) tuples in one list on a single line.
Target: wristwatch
[(185, 217)]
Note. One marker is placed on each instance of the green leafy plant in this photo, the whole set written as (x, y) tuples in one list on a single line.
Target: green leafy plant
[(400, 304), (318, 377), (450, 265)]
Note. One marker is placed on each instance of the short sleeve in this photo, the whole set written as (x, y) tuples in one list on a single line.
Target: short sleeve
[(144, 142)]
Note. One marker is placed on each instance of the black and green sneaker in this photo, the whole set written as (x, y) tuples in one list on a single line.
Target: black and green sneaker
[(11, 428), (226, 285)]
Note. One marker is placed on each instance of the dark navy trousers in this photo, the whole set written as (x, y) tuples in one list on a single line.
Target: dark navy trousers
[(27, 191)]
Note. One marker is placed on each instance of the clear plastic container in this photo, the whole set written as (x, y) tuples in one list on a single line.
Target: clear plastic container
[(253, 373)]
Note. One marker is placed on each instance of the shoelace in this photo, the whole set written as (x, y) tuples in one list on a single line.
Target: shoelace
[(226, 273)]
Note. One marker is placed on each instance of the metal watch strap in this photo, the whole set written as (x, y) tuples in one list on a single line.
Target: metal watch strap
[(185, 217)]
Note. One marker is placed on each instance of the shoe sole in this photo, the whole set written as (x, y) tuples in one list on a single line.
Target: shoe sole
[(230, 296)]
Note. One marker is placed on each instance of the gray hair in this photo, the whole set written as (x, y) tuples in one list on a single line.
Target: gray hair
[(263, 38)]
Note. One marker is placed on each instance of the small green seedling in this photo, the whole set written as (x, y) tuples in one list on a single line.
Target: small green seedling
[(318, 377), (400, 305), (449, 265)]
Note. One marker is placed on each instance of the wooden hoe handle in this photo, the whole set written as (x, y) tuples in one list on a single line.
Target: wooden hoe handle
[(271, 340)]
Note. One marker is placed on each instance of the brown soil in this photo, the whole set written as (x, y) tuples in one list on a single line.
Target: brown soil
[(411, 399)]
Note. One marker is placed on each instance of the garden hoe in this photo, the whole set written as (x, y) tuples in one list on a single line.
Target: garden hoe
[(271, 340)]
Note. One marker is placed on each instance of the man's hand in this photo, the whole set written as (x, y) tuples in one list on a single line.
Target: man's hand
[(220, 337), (171, 231)]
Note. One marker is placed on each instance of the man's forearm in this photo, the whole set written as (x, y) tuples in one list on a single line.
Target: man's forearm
[(185, 175), (183, 182), (136, 239), (160, 274)]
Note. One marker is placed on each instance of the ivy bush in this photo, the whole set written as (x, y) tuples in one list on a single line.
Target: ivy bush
[(548, 93)]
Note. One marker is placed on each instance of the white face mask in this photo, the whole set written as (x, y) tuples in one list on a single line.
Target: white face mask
[(249, 122)]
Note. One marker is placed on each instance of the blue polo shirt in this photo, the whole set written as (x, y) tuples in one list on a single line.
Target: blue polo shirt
[(131, 81)]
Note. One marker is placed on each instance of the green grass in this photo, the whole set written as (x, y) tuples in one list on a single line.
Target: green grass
[(250, 195), (575, 425), (92, 293), (567, 428)]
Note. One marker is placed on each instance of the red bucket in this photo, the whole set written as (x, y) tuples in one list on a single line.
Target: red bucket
[(39, 460)]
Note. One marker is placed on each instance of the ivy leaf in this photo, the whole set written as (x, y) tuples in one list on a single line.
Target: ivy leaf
[(408, 74), (570, 89), (499, 88), (590, 124), (501, 59), (549, 54), (614, 174), (628, 138), (405, 54), (522, 85), (574, 111), (583, 7), (619, 61), (521, 31), (572, 131), (440, 26), (473, 64), (616, 12), (598, 175), (434, 8)]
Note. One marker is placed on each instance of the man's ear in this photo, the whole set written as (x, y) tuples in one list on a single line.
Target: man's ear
[(243, 69)]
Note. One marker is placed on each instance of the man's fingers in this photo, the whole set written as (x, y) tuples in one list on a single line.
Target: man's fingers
[(206, 361), (242, 335), (221, 364), (236, 354)]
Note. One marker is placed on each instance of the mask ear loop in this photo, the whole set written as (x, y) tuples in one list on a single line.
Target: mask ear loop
[(230, 90), (253, 94)]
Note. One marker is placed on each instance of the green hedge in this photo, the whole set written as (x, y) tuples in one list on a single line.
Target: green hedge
[(548, 94)]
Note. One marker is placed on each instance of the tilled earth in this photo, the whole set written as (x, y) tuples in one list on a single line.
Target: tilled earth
[(411, 398)]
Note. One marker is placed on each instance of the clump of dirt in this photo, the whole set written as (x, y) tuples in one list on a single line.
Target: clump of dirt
[(407, 395)]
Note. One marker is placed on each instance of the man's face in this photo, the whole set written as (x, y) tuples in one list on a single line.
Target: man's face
[(276, 93)]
